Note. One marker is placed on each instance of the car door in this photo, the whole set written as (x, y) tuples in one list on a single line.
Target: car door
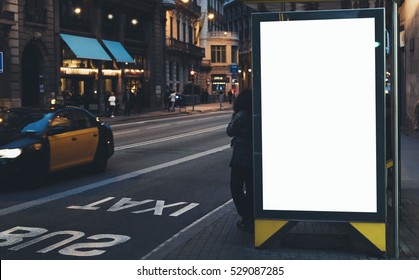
[(73, 139), (87, 134), (62, 140)]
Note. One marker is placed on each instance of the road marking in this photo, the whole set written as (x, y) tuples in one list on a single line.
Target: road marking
[(159, 126), (95, 185), (127, 132), (168, 119), (188, 231), (169, 138), (127, 202), (87, 249)]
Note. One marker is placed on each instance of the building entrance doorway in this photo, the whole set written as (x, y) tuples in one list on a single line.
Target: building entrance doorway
[(32, 82)]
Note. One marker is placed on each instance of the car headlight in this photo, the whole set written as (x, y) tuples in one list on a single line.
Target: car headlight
[(10, 153)]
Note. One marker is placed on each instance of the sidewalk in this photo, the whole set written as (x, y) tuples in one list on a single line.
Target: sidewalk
[(216, 235), (153, 113), (219, 237)]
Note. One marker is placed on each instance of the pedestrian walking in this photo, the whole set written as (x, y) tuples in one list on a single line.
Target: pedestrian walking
[(105, 102), (127, 103), (230, 96), (167, 102), (112, 104), (221, 98), (139, 98), (241, 163), (173, 100)]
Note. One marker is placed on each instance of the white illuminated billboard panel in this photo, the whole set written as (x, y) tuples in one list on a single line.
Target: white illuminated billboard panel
[(318, 112)]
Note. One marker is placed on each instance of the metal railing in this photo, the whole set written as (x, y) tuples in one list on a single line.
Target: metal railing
[(176, 45), (223, 34)]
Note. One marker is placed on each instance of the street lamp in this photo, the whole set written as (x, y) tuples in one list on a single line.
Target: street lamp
[(193, 76)]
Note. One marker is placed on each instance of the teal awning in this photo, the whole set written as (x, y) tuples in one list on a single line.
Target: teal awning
[(118, 51), (84, 47)]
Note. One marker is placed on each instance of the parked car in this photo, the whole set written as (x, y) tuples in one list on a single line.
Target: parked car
[(37, 141)]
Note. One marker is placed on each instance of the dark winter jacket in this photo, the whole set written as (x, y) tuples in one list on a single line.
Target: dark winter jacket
[(240, 128)]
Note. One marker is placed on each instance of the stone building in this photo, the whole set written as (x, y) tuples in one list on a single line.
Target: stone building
[(42, 44), (409, 64), (28, 47)]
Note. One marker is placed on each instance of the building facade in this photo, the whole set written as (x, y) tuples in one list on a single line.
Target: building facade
[(46, 51), (128, 34), (409, 65), (183, 53), (238, 20), (221, 50), (27, 43)]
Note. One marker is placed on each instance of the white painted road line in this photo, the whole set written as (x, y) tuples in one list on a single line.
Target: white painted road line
[(126, 132), (168, 119), (95, 185), (189, 231), (169, 138)]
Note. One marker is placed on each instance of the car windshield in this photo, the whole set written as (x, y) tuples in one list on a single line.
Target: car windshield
[(23, 121)]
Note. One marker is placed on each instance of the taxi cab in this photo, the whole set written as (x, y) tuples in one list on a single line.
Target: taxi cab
[(37, 141)]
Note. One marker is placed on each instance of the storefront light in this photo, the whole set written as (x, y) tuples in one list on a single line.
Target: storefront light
[(111, 72), (77, 10), (78, 71), (110, 16), (134, 21)]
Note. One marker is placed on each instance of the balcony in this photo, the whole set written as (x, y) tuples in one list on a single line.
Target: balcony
[(189, 7), (224, 35), (184, 48)]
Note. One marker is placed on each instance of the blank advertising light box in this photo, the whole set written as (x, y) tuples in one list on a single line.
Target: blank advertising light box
[(318, 103)]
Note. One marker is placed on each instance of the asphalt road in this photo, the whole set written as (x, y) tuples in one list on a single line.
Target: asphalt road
[(165, 175)]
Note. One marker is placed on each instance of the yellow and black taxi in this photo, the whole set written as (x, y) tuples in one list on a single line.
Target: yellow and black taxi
[(37, 141)]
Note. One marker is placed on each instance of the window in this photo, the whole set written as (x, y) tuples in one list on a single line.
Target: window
[(191, 35), (177, 71), (35, 11), (184, 32), (81, 120), (134, 27), (110, 22), (74, 14), (178, 30), (218, 54), (62, 121), (170, 71), (234, 54), (171, 27)]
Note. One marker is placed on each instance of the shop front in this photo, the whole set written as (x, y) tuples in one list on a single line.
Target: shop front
[(89, 74), (219, 82)]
